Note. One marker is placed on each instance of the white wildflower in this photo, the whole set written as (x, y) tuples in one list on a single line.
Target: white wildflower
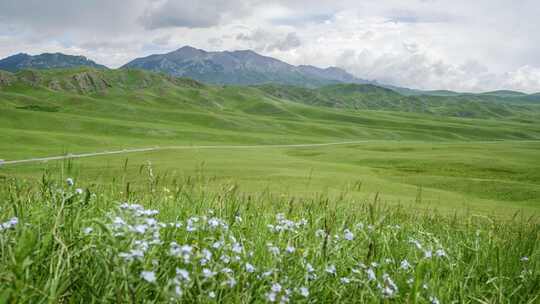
[(273, 249), (371, 274), (225, 259), (390, 288), (206, 257), (250, 268), (304, 291), (309, 268), (271, 296), (290, 249), (9, 224), (178, 291), (70, 182), (320, 233), (440, 253), (213, 223), (151, 222), (433, 300), (139, 229), (348, 235), (416, 243), (118, 222), (331, 269), (183, 274), (236, 248), (141, 245), (231, 282), (207, 273), (191, 224), (149, 276), (88, 230), (218, 244), (345, 280), (405, 265)]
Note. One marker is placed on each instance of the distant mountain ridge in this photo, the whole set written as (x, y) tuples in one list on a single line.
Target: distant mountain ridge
[(244, 67), (24, 61), (239, 68)]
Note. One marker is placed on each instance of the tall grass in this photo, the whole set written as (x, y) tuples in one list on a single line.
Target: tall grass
[(172, 240)]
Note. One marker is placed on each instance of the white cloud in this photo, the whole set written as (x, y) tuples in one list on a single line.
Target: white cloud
[(459, 45)]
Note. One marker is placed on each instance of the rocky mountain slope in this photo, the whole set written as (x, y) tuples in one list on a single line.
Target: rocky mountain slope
[(239, 68), (23, 61)]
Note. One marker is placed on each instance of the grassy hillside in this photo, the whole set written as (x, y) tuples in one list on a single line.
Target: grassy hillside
[(46, 112), (500, 104)]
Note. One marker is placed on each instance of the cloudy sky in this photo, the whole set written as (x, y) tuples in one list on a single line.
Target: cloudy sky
[(466, 45)]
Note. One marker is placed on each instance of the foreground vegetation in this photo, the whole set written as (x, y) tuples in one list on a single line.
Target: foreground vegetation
[(427, 207), (175, 240)]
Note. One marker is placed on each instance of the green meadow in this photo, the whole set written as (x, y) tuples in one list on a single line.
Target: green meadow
[(422, 199), (487, 161)]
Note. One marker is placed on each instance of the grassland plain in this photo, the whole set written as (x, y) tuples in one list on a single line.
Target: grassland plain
[(433, 207), (419, 149)]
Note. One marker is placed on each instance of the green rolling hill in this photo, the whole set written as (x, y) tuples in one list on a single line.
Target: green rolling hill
[(487, 158), (84, 108), (371, 97)]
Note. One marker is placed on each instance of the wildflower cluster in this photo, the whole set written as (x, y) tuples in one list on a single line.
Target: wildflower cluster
[(201, 256), (188, 253)]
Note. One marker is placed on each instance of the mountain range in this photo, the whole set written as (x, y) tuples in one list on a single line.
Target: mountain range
[(228, 67), (243, 67), (239, 68)]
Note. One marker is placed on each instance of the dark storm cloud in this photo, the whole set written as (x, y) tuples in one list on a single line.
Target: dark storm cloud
[(291, 41), (299, 20), (68, 15), (192, 13), (265, 41)]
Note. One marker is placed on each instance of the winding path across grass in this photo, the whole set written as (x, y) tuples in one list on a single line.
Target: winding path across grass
[(157, 148)]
